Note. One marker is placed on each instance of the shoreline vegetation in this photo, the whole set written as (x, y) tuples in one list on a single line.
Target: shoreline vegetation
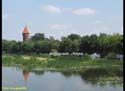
[(34, 54), (101, 71), (59, 63), (103, 44)]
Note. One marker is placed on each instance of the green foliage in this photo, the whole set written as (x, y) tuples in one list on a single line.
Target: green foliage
[(74, 37), (75, 45), (85, 44), (102, 44), (60, 62), (65, 45), (8, 45), (42, 47), (55, 44), (87, 56), (37, 37), (111, 55)]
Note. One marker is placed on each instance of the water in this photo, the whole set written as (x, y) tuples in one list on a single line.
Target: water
[(60, 81)]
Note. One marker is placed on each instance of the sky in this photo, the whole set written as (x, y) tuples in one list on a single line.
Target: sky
[(59, 18)]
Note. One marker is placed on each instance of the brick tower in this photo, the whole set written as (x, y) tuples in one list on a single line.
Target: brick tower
[(25, 34)]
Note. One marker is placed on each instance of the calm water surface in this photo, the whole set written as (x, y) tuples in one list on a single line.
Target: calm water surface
[(58, 81)]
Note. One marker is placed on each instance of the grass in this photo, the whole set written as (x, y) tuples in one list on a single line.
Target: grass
[(58, 63), (94, 71)]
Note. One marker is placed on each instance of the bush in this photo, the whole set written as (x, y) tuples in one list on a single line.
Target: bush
[(53, 50), (111, 55), (87, 56)]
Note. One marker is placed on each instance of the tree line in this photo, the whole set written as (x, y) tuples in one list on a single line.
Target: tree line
[(102, 44)]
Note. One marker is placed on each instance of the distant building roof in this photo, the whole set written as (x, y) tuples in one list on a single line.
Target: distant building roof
[(119, 56), (95, 55), (25, 30)]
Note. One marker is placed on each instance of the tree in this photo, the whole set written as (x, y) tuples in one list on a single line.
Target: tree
[(74, 36), (42, 47), (103, 44), (65, 45), (55, 45), (37, 37), (75, 45), (85, 44), (51, 38), (94, 45), (7, 45)]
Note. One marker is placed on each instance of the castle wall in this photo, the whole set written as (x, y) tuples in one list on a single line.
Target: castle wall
[(25, 36)]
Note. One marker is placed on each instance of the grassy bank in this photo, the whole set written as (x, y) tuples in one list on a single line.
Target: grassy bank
[(45, 62)]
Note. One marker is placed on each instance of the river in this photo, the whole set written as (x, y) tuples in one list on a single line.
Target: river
[(14, 77)]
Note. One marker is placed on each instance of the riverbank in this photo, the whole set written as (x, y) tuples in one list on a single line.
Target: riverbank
[(46, 62)]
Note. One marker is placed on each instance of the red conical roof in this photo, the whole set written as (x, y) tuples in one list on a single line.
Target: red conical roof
[(25, 30)]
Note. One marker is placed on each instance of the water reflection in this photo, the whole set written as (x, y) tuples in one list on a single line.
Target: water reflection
[(38, 72), (85, 80), (26, 74), (97, 76), (103, 76)]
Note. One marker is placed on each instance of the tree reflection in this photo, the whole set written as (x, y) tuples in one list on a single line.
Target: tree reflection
[(94, 76), (67, 73), (38, 72), (102, 76)]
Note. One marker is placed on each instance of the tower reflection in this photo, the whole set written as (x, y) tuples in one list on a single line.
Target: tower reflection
[(26, 74)]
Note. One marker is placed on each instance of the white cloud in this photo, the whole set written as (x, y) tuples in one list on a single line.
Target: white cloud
[(80, 11), (58, 27), (98, 22), (84, 11), (51, 9), (4, 16)]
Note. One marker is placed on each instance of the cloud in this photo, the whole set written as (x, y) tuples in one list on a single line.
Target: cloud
[(84, 11), (80, 11), (58, 27), (98, 22), (51, 9), (4, 16)]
